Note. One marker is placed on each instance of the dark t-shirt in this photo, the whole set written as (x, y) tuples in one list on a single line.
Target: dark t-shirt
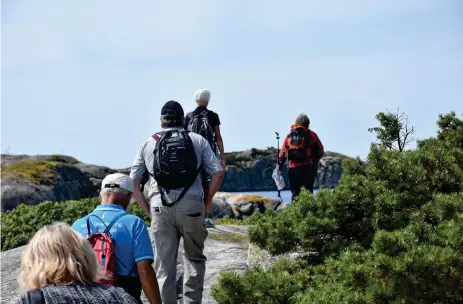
[(212, 117)]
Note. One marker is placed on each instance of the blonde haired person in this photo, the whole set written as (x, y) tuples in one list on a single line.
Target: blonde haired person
[(59, 266)]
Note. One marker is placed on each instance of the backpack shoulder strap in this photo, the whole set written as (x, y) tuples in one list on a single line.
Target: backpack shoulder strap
[(108, 228), (88, 222), (35, 296), (158, 135)]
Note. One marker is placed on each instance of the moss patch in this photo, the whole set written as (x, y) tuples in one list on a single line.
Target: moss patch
[(230, 221), (63, 159), (37, 171), (230, 237)]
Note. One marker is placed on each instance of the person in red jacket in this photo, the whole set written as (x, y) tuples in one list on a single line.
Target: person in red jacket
[(303, 149)]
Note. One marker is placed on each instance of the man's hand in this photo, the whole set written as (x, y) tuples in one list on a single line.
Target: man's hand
[(140, 197)]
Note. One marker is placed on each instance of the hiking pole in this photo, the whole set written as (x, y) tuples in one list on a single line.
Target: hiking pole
[(278, 164)]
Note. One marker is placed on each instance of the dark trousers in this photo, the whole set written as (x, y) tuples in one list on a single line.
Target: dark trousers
[(131, 285), (301, 176)]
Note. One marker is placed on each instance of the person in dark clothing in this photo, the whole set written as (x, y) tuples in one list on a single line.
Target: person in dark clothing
[(202, 98), (209, 129), (304, 150)]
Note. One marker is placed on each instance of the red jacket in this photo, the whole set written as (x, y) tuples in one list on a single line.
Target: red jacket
[(316, 150)]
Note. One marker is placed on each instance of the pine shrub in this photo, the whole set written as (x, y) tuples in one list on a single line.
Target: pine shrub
[(391, 232)]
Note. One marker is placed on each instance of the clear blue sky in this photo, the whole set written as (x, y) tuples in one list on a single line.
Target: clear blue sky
[(88, 78)]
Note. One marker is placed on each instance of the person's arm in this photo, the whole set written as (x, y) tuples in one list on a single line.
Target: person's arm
[(321, 149), (213, 187), (212, 167), (219, 141), (148, 280), (136, 174), (140, 197), (144, 257)]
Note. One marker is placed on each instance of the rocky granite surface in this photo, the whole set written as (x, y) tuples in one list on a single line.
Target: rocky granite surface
[(34, 179)]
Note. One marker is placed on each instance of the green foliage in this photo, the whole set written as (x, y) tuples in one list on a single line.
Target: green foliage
[(257, 286), (136, 210), (390, 232), (229, 237), (19, 225), (393, 132), (226, 220), (36, 171)]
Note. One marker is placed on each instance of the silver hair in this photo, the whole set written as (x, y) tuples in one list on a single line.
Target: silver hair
[(202, 96), (109, 191)]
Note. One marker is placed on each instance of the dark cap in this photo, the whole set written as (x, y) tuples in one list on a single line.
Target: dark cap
[(172, 109)]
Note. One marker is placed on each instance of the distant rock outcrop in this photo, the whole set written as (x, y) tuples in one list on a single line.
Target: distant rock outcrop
[(34, 179), (252, 170)]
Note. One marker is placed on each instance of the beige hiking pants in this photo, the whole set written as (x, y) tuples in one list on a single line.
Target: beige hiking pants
[(184, 219)]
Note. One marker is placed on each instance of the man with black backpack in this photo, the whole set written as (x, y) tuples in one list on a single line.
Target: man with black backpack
[(174, 159), (303, 149)]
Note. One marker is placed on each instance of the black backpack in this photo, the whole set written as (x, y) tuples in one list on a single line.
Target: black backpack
[(175, 162), (199, 124), (298, 144)]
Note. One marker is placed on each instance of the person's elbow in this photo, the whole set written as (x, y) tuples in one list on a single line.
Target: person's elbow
[(144, 267), (218, 175)]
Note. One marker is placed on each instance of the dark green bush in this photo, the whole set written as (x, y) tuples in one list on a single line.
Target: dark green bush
[(19, 225), (391, 232)]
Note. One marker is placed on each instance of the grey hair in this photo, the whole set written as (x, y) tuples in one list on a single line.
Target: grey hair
[(109, 191), (302, 120), (202, 96)]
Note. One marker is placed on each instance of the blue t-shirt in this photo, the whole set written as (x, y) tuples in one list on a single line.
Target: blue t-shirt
[(133, 243)]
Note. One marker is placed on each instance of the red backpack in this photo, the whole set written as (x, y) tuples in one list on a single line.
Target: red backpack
[(298, 145), (104, 247)]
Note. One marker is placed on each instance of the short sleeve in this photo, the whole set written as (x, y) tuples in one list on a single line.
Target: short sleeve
[(138, 167), (142, 249), (215, 120)]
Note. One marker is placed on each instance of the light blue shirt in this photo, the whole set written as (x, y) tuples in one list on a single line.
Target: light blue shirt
[(133, 243)]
